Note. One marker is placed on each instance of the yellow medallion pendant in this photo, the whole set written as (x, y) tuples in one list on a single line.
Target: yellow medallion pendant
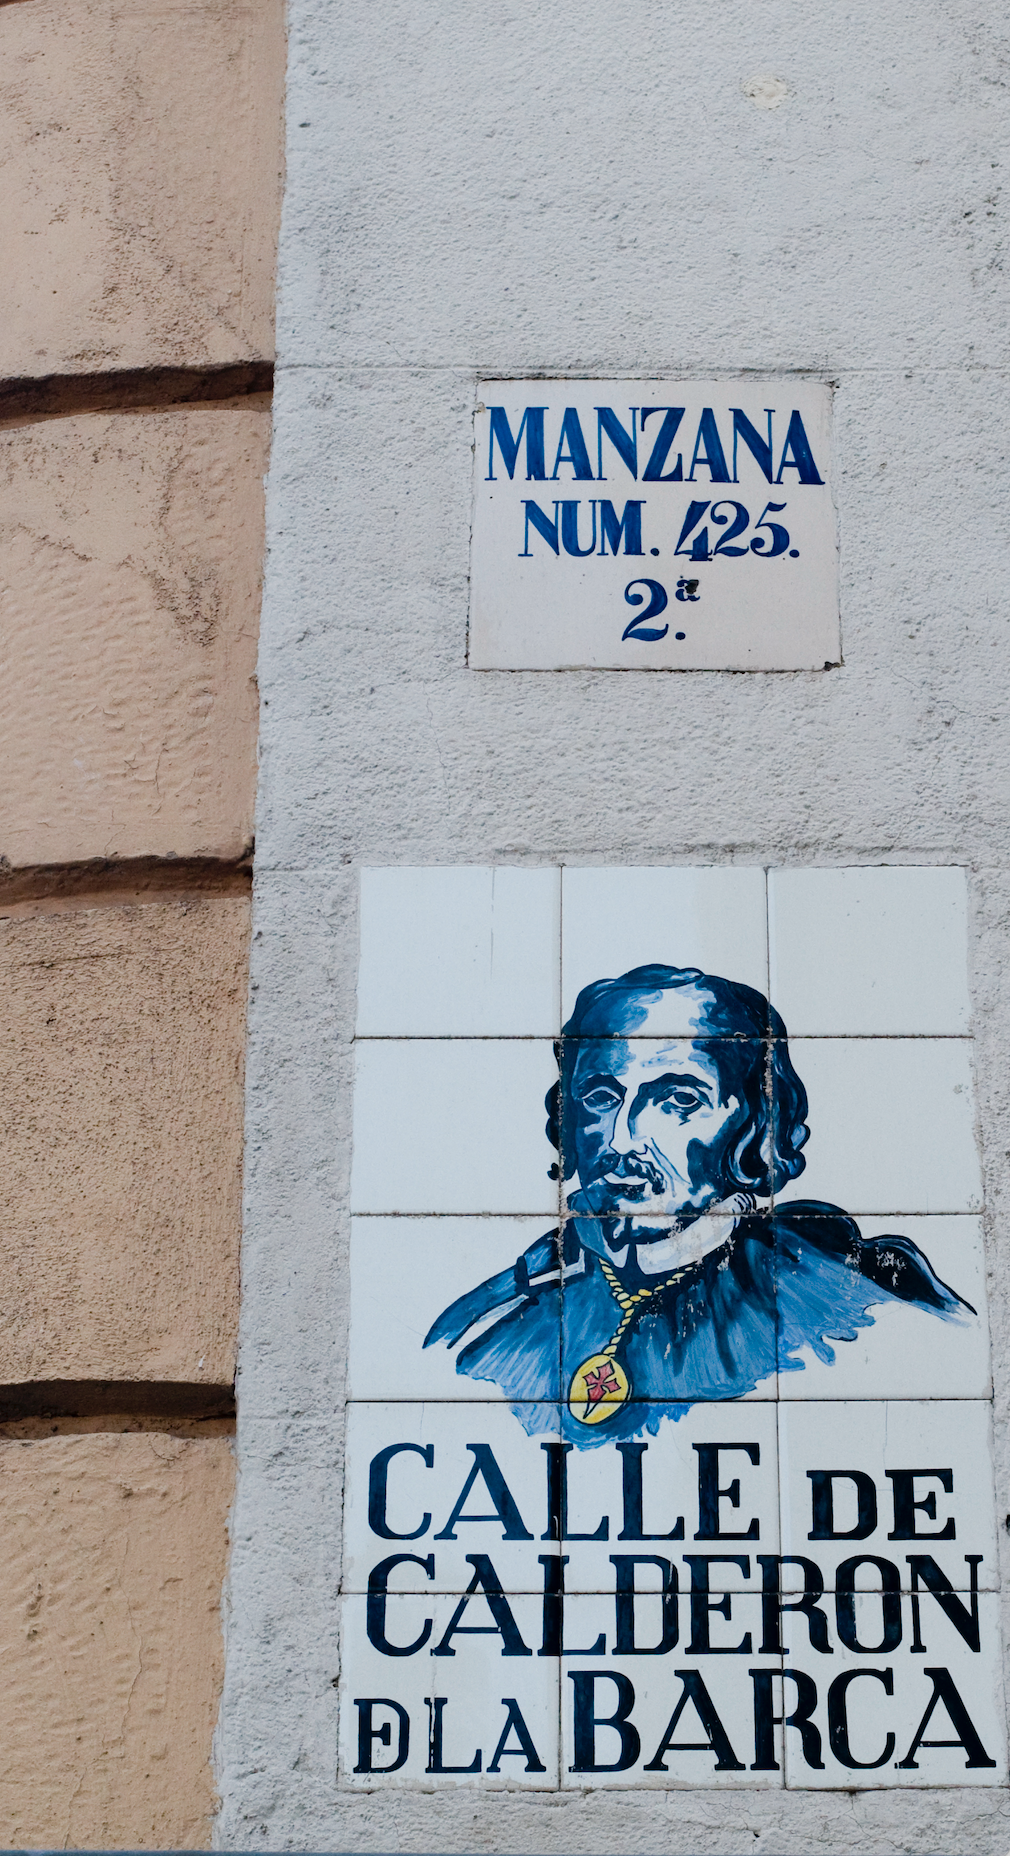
[(600, 1386)]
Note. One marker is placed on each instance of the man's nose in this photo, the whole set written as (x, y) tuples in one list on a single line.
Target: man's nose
[(623, 1139)]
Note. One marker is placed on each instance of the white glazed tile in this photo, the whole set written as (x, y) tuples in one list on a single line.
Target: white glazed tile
[(665, 1483), (879, 1729), (454, 1125), (475, 1682), (891, 1124), (910, 1352), (471, 951), (869, 952), (712, 1658), (872, 1438), (404, 1273), (414, 1493), (617, 919)]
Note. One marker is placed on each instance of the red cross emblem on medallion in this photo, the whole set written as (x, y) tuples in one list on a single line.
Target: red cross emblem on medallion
[(600, 1382)]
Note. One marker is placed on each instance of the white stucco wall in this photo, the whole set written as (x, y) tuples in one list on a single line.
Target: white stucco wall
[(475, 191)]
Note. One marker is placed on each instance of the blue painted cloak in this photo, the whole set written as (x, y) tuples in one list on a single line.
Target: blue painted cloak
[(799, 1276)]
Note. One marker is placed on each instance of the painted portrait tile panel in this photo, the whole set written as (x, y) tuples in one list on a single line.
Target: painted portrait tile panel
[(458, 1484), (668, 1326), (424, 1706), (891, 1124), (888, 1716), (678, 1717), (878, 952), (464, 952), (452, 1125), (614, 920), (893, 1347), (693, 1175), (918, 1481), (401, 1268)]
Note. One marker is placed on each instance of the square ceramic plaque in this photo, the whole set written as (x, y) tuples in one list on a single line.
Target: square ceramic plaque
[(653, 525)]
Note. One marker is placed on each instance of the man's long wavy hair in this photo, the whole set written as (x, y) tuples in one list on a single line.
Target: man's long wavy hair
[(754, 1066)]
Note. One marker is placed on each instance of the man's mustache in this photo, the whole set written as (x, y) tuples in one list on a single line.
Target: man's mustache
[(617, 1170)]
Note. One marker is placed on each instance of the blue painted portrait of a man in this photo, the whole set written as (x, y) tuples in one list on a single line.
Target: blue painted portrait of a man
[(677, 1274)]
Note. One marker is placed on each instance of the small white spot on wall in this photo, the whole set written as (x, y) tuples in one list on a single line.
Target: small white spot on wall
[(764, 91)]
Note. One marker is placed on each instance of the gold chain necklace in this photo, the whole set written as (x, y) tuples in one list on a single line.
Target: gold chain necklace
[(600, 1386)]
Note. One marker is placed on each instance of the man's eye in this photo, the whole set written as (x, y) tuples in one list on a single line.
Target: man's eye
[(679, 1100), (601, 1101)]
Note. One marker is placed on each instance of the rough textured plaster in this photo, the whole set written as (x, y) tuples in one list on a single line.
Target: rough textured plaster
[(569, 188), (140, 212), (121, 1123), (130, 559), (563, 189), (114, 1552)]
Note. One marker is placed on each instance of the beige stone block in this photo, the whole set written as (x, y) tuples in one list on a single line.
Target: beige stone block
[(131, 550), (114, 1553), (141, 150), (121, 1048)]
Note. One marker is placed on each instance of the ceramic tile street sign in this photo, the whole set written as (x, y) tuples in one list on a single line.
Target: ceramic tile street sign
[(653, 525), (670, 1430)]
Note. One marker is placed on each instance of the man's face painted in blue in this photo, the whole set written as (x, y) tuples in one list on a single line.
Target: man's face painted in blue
[(653, 1115)]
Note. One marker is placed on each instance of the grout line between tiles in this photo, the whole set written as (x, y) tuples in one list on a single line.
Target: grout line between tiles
[(661, 1038), (742, 1404), (559, 1692)]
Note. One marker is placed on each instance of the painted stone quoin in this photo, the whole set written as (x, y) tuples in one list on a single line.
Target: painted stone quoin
[(669, 1451), (673, 1278)]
